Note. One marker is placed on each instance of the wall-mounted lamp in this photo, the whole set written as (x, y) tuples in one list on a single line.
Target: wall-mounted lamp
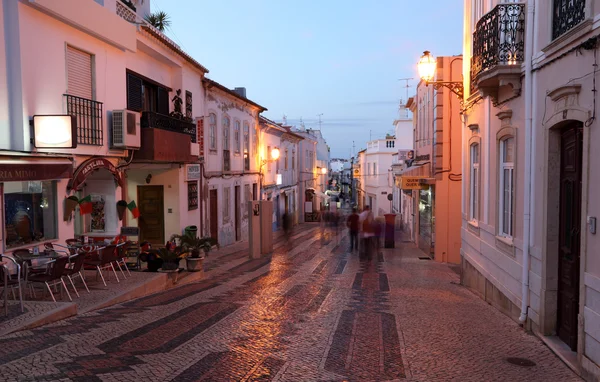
[(427, 66), (54, 131), (323, 170), (148, 178), (275, 153)]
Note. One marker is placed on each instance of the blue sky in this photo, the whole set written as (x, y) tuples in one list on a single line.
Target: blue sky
[(339, 58)]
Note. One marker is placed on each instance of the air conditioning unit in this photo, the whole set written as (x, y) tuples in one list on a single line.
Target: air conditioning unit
[(126, 129)]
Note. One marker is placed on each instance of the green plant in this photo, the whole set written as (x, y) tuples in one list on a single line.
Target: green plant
[(170, 257), (159, 20), (194, 245)]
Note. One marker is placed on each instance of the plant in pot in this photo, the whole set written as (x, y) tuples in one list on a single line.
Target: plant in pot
[(196, 248), (170, 257)]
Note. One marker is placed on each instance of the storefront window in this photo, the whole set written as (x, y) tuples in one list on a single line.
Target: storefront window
[(29, 212)]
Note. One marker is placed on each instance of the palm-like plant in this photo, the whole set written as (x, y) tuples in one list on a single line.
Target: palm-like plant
[(159, 20), (194, 244)]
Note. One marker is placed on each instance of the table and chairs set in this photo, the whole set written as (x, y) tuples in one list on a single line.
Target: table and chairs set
[(59, 267)]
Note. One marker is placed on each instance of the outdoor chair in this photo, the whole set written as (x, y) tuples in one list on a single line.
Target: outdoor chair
[(75, 271), (10, 281), (104, 261), (122, 250), (54, 276)]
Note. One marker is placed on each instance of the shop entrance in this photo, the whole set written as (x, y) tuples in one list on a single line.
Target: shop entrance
[(152, 215), (569, 233), (214, 215)]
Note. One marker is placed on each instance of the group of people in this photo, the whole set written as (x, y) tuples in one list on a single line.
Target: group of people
[(367, 228)]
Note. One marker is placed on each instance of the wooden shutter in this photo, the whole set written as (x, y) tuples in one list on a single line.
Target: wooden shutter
[(79, 73), (134, 93), (163, 101)]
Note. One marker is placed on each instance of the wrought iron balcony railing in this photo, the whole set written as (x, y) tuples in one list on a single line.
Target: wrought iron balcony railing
[(567, 14), (165, 122), (499, 38), (89, 119)]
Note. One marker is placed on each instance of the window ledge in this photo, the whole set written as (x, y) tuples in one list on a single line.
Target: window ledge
[(566, 40), (506, 245), (212, 151), (473, 226)]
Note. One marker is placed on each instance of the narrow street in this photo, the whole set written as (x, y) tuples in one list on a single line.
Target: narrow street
[(310, 312)]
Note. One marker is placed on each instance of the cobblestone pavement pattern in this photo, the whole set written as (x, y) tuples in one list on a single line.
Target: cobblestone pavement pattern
[(310, 312)]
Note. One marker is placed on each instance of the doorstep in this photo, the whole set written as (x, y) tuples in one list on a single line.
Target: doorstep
[(563, 351)]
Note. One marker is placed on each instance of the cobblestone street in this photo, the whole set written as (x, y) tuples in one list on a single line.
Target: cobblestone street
[(310, 312)]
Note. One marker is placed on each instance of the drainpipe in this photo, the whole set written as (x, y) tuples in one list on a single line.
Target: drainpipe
[(528, 155)]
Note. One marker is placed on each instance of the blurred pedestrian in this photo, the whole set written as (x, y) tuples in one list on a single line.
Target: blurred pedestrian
[(287, 227), (352, 222), (367, 232)]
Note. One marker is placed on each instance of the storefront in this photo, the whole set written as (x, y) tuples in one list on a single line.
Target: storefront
[(32, 190), (99, 182)]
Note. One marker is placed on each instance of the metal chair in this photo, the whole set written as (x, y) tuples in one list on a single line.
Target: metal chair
[(10, 281), (107, 257), (53, 277), (121, 255), (75, 271)]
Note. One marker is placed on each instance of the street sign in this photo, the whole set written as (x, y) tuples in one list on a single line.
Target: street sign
[(412, 183)]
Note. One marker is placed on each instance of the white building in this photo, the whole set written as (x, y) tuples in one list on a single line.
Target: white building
[(231, 161), (92, 60), (377, 178)]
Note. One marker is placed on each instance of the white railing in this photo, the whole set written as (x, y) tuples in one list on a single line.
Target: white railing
[(125, 12)]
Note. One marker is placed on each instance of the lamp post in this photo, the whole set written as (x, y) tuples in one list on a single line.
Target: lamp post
[(427, 66), (352, 181), (274, 155)]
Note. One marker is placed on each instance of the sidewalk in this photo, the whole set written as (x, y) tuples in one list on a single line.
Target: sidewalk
[(139, 284)]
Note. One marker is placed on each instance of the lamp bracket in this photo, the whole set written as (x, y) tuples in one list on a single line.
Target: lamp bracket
[(455, 87)]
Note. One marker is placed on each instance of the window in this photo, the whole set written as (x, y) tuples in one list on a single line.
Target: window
[(80, 95), (144, 95), (29, 212), (474, 185), (236, 137), (226, 204), (506, 187), (255, 141), (306, 160), (268, 158), (567, 15), (192, 195), (293, 160), (226, 125), (188, 104), (246, 146), (212, 131), (285, 166)]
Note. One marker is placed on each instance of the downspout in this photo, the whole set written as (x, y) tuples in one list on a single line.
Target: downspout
[(527, 183)]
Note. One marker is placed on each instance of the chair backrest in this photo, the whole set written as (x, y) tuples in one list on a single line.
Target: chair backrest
[(77, 261), (123, 248), (108, 254), (58, 267), (48, 246)]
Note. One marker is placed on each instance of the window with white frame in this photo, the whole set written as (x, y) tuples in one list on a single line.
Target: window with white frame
[(236, 137), (212, 131), (226, 125), (506, 187), (246, 146), (474, 182)]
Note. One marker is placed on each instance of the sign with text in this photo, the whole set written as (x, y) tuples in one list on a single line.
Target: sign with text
[(200, 132), (412, 183), (192, 171)]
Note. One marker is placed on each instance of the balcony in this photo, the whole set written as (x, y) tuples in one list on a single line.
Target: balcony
[(567, 15), (126, 10), (165, 146), (499, 51), (154, 120), (89, 119)]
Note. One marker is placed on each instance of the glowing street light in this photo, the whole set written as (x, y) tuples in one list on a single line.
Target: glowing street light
[(427, 65)]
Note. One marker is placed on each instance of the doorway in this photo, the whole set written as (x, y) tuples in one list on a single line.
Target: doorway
[(214, 215), (238, 218), (152, 214), (571, 148)]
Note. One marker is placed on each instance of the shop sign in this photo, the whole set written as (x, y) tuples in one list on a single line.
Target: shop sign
[(11, 172), (86, 168), (422, 157), (200, 132), (192, 171), (405, 154), (412, 183), (130, 231)]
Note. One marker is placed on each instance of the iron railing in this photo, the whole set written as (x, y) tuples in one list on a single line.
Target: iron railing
[(164, 122), (226, 160), (499, 38), (88, 114), (567, 14)]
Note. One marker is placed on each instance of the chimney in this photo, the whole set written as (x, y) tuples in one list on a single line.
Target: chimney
[(240, 91)]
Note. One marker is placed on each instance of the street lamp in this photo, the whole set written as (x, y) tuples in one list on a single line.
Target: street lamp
[(427, 66), (274, 155), (323, 170)]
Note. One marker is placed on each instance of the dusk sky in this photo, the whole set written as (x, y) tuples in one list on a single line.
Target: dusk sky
[(339, 58)]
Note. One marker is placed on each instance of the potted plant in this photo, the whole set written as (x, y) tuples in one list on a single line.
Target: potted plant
[(170, 258), (197, 248)]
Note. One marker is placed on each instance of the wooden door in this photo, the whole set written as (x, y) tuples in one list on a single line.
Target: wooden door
[(214, 215), (569, 234), (152, 216), (238, 217)]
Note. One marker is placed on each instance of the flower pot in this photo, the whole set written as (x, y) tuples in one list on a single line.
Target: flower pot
[(195, 264), (170, 265), (121, 211)]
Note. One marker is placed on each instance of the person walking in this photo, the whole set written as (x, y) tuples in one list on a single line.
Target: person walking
[(366, 225), (352, 222)]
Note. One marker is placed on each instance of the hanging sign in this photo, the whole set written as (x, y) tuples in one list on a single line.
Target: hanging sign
[(412, 183), (88, 167)]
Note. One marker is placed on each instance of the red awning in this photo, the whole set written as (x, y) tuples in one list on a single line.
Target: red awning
[(88, 167), (25, 169)]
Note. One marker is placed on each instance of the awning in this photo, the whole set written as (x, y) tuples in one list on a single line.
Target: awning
[(26, 169), (88, 167)]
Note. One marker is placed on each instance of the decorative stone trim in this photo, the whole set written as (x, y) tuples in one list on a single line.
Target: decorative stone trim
[(505, 117), (474, 128), (506, 245), (473, 227)]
